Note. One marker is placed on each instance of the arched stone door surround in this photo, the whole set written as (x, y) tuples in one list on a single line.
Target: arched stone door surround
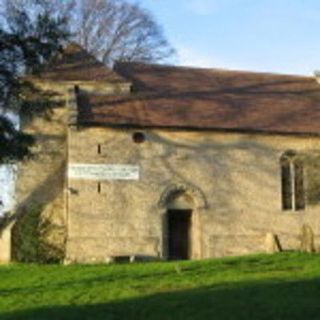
[(188, 200)]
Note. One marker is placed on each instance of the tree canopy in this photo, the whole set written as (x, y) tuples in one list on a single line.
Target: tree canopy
[(26, 42), (109, 29), (32, 31)]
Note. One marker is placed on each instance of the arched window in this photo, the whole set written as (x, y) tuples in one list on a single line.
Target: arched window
[(292, 182)]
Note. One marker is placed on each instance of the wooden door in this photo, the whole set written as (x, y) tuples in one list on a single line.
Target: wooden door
[(179, 225)]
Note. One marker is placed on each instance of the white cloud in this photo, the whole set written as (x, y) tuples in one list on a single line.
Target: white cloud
[(202, 7), (188, 56), (207, 7), (7, 186)]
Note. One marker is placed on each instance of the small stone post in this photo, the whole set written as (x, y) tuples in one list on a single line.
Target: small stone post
[(272, 244), (307, 239)]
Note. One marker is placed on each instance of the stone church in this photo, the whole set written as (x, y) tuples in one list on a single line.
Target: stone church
[(163, 162)]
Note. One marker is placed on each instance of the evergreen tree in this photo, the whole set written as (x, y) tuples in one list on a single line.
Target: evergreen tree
[(26, 43)]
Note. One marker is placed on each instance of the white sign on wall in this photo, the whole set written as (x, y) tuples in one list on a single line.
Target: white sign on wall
[(103, 172)]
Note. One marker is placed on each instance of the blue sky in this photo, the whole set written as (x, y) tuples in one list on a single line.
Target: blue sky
[(262, 35)]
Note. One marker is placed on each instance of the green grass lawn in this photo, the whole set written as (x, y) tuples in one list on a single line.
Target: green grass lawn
[(282, 286)]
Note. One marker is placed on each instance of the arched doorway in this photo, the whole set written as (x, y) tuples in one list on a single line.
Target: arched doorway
[(179, 226), (181, 208)]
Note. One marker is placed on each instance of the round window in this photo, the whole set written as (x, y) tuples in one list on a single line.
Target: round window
[(138, 137)]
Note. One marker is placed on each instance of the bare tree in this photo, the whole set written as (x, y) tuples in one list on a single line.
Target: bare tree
[(109, 29), (118, 30)]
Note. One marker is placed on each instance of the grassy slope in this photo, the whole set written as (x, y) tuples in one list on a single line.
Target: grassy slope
[(283, 286)]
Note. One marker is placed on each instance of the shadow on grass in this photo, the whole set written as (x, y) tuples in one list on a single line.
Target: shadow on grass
[(285, 300)]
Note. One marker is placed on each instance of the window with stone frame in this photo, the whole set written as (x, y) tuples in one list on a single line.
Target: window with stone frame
[(292, 182)]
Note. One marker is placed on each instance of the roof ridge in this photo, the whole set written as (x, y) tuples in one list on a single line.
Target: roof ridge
[(226, 70), (74, 63)]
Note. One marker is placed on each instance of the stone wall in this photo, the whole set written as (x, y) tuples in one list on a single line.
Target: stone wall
[(5, 244), (41, 192), (234, 180), (40, 187)]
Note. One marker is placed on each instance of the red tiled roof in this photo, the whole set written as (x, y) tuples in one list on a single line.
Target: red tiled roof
[(178, 97), (76, 64)]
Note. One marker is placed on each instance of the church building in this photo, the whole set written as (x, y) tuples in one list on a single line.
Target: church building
[(151, 161)]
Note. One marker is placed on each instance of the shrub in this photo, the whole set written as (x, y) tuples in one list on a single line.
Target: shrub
[(30, 238)]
